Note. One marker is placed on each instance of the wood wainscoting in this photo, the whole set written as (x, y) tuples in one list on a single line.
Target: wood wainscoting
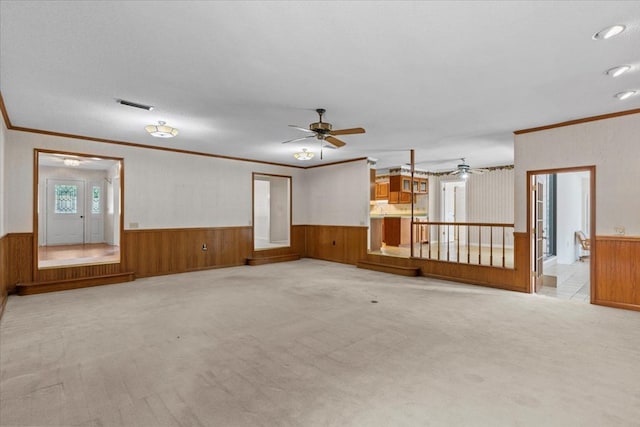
[(17, 259), (155, 252), (617, 272), (337, 243)]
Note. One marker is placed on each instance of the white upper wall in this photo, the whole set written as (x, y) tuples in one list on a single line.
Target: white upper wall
[(489, 197), (612, 145), (3, 159), (173, 190), (338, 194)]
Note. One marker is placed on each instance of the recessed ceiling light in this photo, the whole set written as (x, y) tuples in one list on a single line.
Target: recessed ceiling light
[(618, 71), (609, 32), (624, 95)]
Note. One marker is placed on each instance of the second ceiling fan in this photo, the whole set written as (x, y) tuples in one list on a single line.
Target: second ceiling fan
[(324, 132)]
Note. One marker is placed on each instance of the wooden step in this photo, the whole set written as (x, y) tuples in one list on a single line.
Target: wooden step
[(76, 283), (388, 268), (272, 259)]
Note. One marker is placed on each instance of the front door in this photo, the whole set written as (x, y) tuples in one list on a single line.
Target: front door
[(65, 212), (538, 237)]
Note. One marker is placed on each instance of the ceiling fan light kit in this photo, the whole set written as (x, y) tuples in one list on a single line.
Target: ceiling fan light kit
[(304, 155), (463, 170), (161, 130)]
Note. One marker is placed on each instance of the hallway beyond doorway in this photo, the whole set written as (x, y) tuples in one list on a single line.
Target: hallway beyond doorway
[(572, 281)]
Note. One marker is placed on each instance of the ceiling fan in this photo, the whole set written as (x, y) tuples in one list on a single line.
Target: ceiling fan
[(324, 132), (463, 170)]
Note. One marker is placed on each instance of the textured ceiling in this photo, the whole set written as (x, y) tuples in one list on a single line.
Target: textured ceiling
[(449, 79)]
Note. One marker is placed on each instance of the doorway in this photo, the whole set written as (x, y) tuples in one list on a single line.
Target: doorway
[(454, 209), (77, 209), (561, 212), (271, 211)]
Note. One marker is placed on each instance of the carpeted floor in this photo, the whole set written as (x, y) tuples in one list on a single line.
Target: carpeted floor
[(304, 344)]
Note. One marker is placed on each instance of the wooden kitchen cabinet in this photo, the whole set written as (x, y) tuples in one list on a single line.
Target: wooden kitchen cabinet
[(400, 188), (397, 231), (382, 190)]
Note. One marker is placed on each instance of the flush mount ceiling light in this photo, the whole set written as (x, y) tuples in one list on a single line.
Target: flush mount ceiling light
[(303, 155), (71, 162), (161, 130), (609, 32), (618, 71), (624, 95)]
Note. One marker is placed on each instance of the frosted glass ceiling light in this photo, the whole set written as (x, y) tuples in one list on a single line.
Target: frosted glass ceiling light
[(624, 95), (161, 130), (608, 32), (303, 155), (618, 71)]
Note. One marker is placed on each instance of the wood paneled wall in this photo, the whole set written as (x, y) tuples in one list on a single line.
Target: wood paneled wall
[(344, 244), (167, 251), (17, 249), (617, 272), (4, 284)]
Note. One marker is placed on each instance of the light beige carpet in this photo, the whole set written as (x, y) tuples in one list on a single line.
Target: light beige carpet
[(302, 344)]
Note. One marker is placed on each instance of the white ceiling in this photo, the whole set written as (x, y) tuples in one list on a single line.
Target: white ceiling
[(449, 79)]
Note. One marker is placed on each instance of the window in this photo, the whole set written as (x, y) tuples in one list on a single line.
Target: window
[(95, 200), (66, 199)]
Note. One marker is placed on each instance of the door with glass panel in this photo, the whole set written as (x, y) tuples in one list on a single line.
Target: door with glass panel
[(65, 212)]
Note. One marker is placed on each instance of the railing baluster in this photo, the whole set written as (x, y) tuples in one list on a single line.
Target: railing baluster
[(424, 231), (439, 242), (468, 244), (448, 240), (480, 245), (503, 244), (491, 246)]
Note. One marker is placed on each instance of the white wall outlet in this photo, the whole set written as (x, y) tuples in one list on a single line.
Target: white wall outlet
[(133, 225), (619, 230)]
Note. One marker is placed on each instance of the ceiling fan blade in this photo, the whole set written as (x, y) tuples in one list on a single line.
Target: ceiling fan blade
[(300, 128), (478, 171), (298, 139), (334, 141), (455, 172), (347, 131), (329, 146)]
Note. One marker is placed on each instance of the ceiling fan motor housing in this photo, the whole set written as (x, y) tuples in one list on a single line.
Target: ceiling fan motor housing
[(320, 127)]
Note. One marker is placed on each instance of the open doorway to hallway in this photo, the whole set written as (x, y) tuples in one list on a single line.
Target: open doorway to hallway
[(561, 216)]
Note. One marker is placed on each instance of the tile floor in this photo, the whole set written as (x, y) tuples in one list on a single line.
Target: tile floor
[(572, 281)]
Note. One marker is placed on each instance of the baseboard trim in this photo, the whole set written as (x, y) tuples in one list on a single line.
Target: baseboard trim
[(3, 303), (388, 268), (272, 259), (612, 304), (76, 283)]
